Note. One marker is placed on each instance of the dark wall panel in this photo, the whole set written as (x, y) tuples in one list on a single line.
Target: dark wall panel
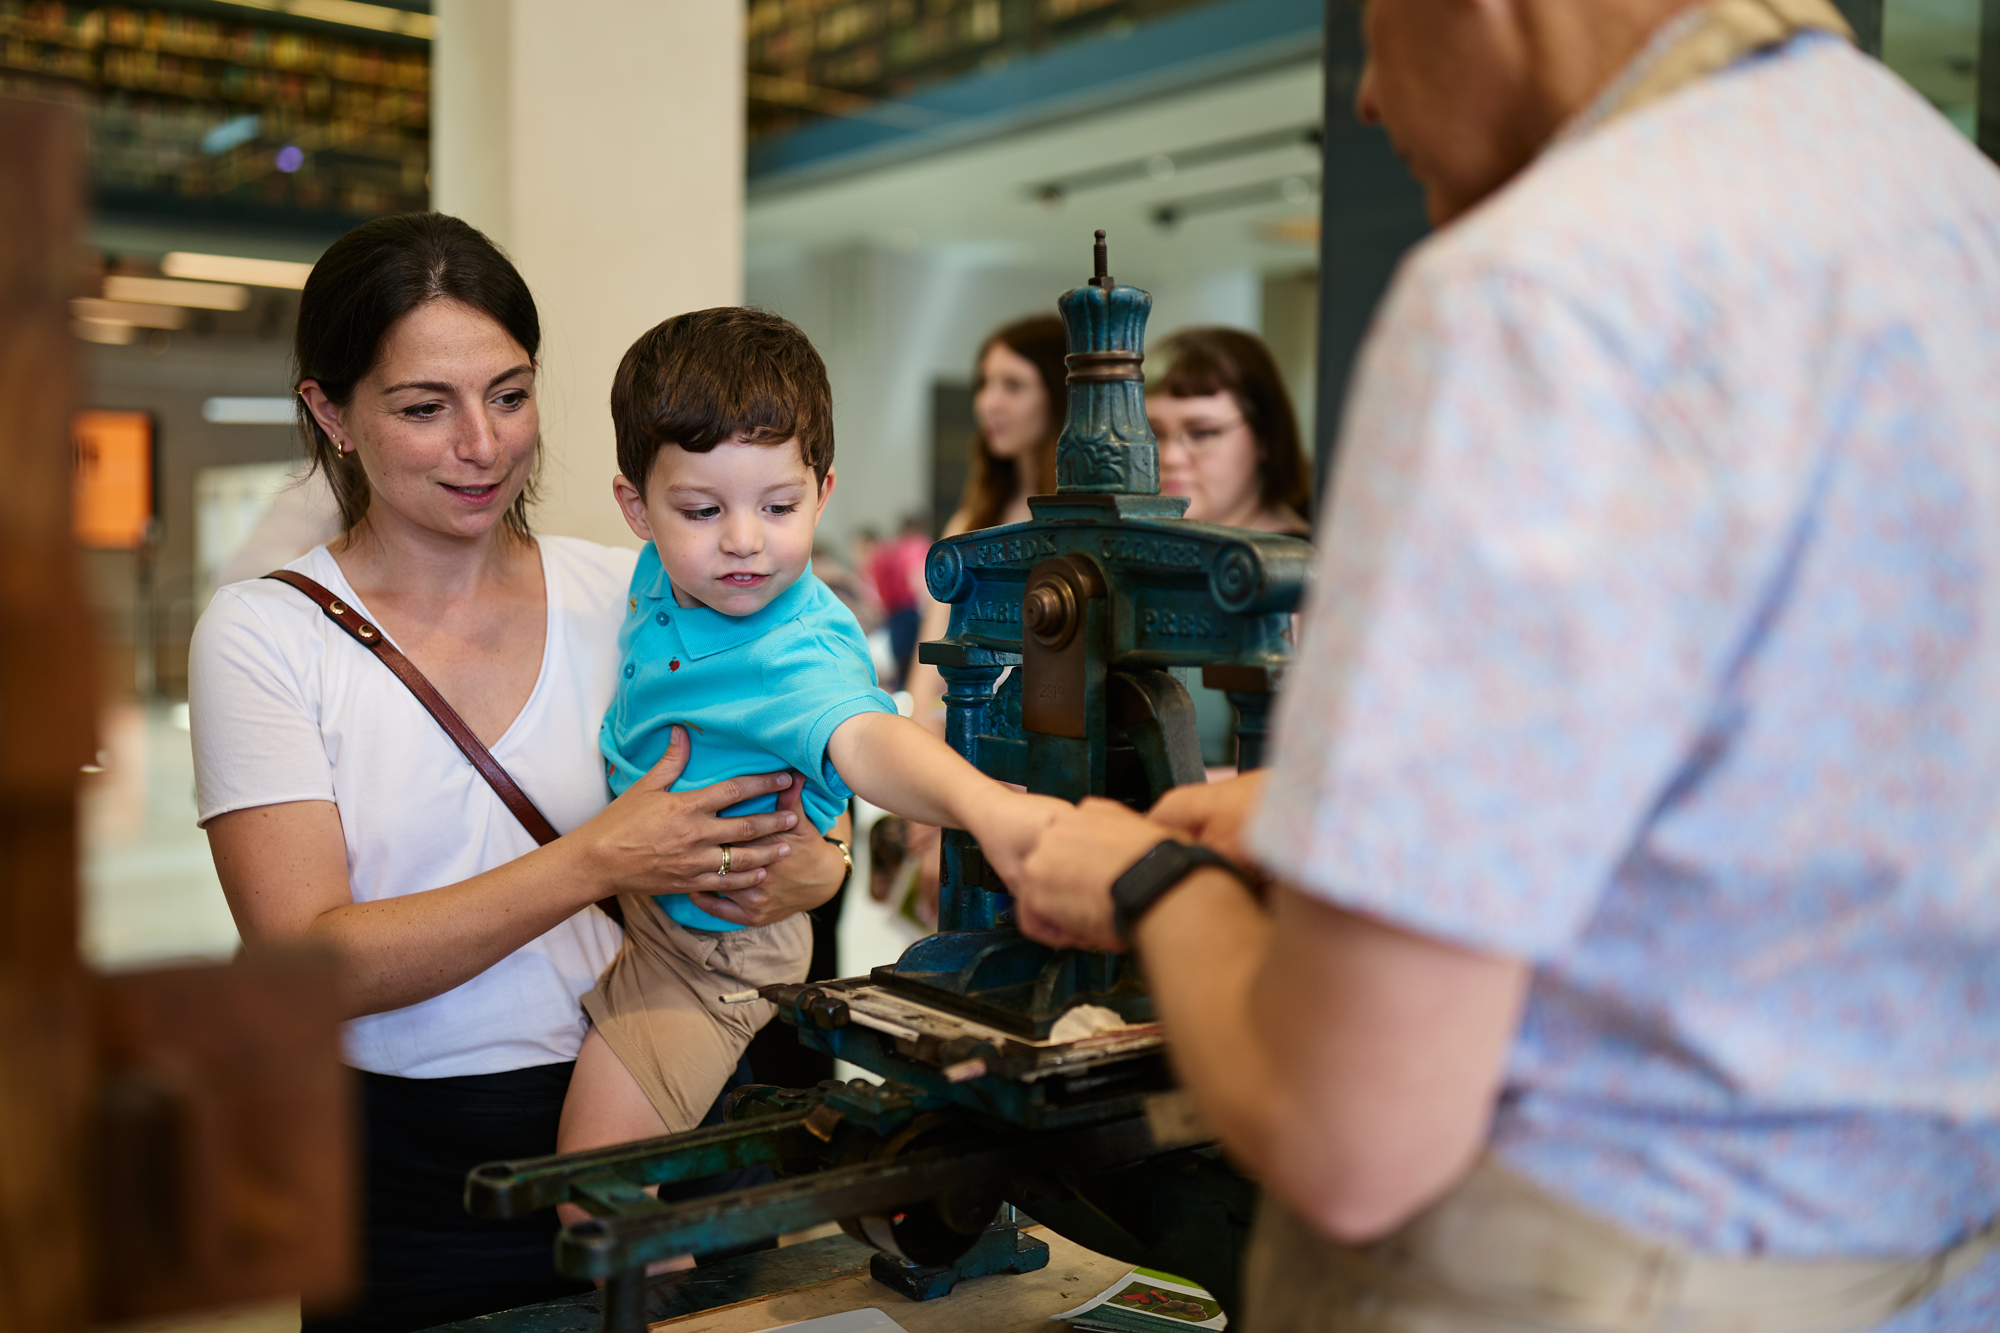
[(1989, 78), (1865, 17), (1371, 211)]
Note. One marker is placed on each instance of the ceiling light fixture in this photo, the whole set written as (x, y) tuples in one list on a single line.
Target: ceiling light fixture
[(168, 291), (250, 411), (1285, 189), (128, 312), (111, 333), (1164, 166), (236, 268)]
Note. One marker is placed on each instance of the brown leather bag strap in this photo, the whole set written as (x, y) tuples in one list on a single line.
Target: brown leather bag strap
[(497, 777)]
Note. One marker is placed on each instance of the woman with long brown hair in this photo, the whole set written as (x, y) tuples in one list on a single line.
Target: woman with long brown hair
[(1017, 399)]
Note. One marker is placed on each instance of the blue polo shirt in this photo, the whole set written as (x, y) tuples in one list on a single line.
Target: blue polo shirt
[(757, 693)]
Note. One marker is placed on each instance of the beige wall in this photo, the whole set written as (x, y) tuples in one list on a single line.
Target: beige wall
[(601, 143)]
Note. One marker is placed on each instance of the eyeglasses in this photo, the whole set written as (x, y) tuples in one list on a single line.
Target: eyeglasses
[(1199, 435)]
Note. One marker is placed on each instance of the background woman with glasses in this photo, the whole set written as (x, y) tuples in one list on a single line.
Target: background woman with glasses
[(1228, 438), (1229, 442)]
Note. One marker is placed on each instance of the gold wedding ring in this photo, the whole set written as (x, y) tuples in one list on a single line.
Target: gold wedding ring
[(728, 853)]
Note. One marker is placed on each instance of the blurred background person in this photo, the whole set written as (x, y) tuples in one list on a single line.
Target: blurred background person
[(1018, 399), (855, 590), (1229, 439), (861, 547), (896, 569)]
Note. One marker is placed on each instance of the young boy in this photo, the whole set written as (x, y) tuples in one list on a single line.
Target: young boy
[(725, 445)]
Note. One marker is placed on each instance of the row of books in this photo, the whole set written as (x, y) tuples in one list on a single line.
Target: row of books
[(236, 118), (253, 46), (820, 56)]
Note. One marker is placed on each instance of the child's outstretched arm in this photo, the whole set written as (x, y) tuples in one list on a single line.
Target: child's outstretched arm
[(900, 766), (903, 768)]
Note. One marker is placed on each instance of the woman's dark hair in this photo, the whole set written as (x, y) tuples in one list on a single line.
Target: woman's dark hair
[(367, 281), (1204, 361), (995, 482)]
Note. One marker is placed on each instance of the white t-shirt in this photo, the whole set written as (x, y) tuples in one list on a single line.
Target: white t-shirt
[(286, 707)]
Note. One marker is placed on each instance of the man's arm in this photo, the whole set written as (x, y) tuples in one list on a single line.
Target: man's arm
[(1350, 1066)]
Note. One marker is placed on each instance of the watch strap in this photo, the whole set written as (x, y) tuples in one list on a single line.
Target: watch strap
[(1148, 879), (846, 855)]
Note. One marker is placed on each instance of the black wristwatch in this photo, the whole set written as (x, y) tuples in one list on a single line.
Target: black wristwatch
[(1171, 861)]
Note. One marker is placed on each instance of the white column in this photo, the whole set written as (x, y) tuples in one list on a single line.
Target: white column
[(601, 143)]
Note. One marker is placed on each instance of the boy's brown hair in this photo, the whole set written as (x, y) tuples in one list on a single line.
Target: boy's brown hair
[(729, 373)]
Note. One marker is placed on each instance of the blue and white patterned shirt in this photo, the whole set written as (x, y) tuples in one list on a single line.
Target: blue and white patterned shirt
[(1656, 640)]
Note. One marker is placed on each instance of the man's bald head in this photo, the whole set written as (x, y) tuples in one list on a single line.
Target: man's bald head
[(1470, 90)]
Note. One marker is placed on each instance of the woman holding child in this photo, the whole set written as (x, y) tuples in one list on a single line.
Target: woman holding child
[(339, 812)]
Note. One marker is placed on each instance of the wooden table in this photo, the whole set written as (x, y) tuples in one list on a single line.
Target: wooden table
[(821, 1277)]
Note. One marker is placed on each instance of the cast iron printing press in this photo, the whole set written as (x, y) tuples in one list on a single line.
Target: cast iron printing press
[(1058, 667)]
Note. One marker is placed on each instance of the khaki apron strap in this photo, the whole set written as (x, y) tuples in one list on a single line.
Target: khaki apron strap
[(1500, 1255)]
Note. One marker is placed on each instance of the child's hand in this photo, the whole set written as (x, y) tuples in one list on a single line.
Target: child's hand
[(1008, 827)]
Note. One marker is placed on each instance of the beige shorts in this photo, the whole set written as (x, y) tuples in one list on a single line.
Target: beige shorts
[(659, 1004)]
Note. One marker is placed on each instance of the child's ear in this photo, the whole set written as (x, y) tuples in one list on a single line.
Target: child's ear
[(632, 504), (825, 494)]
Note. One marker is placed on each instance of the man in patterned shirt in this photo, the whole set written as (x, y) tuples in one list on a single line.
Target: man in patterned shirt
[(1633, 946)]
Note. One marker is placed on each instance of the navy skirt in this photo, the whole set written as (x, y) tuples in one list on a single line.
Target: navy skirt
[(425, 1261)]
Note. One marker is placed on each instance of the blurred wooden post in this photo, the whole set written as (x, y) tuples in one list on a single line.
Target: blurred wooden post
[(46, 733), (169, 1140)]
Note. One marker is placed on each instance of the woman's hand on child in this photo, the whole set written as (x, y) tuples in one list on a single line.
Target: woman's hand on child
[(810, 873), (652, 840)]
